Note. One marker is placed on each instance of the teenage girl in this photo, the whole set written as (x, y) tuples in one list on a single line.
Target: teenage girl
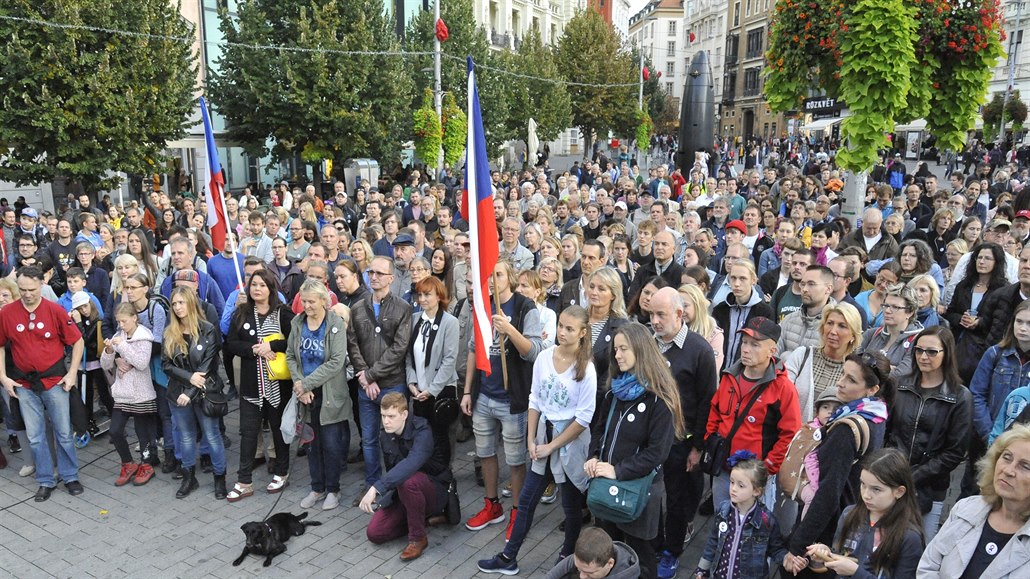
[(882, 534)]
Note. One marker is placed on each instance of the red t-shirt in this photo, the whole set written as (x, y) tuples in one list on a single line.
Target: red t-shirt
[(37, 340)]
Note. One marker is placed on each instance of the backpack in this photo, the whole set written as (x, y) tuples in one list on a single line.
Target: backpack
[(158, 300), (791, 478)]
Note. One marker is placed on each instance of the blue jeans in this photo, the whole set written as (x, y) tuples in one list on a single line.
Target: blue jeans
[(571, 502), (932, 521), (164, 411), (186, 419), (370, 422), (54, 402), (327, 456)]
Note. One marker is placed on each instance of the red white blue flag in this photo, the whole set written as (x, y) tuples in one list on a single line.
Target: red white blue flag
[(478, 208), (215, 184)]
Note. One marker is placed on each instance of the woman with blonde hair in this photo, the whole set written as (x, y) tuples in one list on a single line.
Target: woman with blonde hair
[(552, 279), (815, 370), (550, 247), (986, 535), (361, 252), (570, 245), (607, 310), (928, 294), (532, 286), (695, 314)]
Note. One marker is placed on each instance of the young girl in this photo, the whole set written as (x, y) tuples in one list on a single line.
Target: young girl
[(87, 317), (561, 404), (881, 535), (745, 534), (126, 359)]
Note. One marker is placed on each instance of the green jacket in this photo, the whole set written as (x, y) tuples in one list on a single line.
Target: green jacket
[(331, 375)]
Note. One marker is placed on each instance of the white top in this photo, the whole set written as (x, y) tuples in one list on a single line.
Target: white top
[(548, 324), (419, 351), (560, 397)]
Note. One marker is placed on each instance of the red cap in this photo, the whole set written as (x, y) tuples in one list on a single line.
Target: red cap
[(1025, 214), (738, 225)]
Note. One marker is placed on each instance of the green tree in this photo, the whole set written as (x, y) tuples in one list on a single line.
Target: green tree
[(1015, 113), (465, 38), (78, 104), (311, 101), (547, 103), (590, 53)]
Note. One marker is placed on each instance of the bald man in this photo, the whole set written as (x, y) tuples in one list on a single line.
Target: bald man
[(664, 263), (871, 237), (692, 362)]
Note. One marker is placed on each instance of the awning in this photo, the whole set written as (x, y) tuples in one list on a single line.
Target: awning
[(822, 124), (916, 125)]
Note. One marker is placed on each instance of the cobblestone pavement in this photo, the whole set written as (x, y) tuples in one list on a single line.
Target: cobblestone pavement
[(146, 532)]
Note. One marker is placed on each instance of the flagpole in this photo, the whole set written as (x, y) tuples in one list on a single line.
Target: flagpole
[(501, 338), (228, 235)]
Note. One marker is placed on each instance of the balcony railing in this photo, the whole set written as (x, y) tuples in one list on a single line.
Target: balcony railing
[(501, 40)]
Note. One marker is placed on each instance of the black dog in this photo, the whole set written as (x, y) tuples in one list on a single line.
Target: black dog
[(269, 538)]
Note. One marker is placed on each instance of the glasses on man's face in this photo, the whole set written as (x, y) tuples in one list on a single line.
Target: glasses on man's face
[(374, 273)]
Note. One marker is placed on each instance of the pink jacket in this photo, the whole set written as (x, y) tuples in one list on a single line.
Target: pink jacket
[(132, 386)]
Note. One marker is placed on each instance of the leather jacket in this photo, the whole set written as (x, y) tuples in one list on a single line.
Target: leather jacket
[(913, 422), (202, 356), (378, 346)]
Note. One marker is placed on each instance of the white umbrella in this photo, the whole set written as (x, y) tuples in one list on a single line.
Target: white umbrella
[(533, 143)]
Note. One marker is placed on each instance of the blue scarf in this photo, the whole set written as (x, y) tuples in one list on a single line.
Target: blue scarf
[(626, 387), (872, 409)]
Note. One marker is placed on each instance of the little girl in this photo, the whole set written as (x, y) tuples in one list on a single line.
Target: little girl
[(87, 317), (745, 533), (882, 535), (126, 359), (561, 404)]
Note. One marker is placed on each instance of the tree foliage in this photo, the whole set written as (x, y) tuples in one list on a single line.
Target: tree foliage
[(590, 52), (466, 38), (548, 103), (79, 104), (1015, 112), (428, 131), (311, 101), (455, 130)]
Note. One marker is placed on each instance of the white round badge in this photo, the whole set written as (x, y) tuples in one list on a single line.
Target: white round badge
[(46, 335), (246, 325), (723, 527), (991, 548), (378, 329), (608, 338), (20, 327), (39, 325), (200, 346), (817, 435), (751, 419), (613, 490), (641, 407), (631, 418), (252, 332), (336, 330)]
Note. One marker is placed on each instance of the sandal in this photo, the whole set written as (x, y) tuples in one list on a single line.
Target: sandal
[(239, 492), (278, 484)]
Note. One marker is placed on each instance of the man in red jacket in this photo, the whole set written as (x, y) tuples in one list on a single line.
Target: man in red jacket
[(775, 417)]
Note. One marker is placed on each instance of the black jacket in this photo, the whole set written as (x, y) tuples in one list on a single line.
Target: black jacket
[(410, 451), (202, 356), (996, 314), (962, 300), (693, 368), (933, 432), (240, 342), (377, 346), (721, 315), (603, 351), (570, 297), (673, 274)]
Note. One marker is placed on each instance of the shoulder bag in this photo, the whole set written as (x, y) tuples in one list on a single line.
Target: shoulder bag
[(716, 448), (277, 368), (618, 501)]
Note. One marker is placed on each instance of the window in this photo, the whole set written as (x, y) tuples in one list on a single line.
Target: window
[(751, 81), (671, 49), (736, 14), (668, 87), (672, 28), (755, 43), (670, 68), (747, 10)]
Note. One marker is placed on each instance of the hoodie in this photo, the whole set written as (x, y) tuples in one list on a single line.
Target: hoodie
[(626, 565), (731, 316)]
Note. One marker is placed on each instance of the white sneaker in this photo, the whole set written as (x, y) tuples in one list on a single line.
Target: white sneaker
[(27, 470), (332, 500), (310, 500)]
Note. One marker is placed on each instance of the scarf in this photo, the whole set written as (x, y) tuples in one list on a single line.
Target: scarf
[(872, 409), (554, 290), (777, 249), (626, 387)]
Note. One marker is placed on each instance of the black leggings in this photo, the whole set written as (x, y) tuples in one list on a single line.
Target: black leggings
[(146, 432), (96, 383)]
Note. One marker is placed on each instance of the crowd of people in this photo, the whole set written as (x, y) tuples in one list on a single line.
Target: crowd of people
[(652, 326)]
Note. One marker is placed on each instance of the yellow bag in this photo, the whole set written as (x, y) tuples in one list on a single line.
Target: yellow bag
[(277, 368)]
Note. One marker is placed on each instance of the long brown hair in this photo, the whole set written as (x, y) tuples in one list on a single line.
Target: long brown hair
[(652, 370), (584, 350), (949, 367), (178, 329), (1009, 340), (890, 467)]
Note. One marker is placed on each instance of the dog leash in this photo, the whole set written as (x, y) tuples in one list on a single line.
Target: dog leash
[(276, 503)]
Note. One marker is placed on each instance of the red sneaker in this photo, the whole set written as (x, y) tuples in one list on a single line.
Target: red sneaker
[(128, 471), (491, 514), (143, 475), (511, 523)]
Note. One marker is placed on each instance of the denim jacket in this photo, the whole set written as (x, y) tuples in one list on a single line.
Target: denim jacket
[(998, 374), (1014, 405), (759, 541)]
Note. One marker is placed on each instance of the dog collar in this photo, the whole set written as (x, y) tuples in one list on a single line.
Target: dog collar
[(269, 527)]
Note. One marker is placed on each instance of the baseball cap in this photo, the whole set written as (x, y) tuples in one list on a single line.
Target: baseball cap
[(622, 205), (998, 223), (645, 191), (738, 225), (30, 212), (761, 328), (186, 275), (1024, 214), (79, 299), (403, 239)]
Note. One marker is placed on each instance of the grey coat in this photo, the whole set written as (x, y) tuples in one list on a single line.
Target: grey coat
[(441, 371), (950, 551), (331, 375)]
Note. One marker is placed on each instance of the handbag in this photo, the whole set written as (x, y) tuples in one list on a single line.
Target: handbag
[(716, 448), (288, 423), (619, 501), (277, 367), (453, 511), (214, 404)]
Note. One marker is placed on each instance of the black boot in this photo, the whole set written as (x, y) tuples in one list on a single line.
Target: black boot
[(189, 482), (169, 465), (220, 492), (205, 464)]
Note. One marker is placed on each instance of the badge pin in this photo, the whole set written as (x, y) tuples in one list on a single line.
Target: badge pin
[(335, 330), (378, 329), (817, 435), (608, 338), (723, 527), (32, 325), (613, 490), (751, 419), (246, 326), (200, 346), (39, 325), (20, 327), (252, 332), (631, 418), (991, 548), (435, 327), (641, 407), (46, 335)]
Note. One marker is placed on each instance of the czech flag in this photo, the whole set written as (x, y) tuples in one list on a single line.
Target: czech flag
[(214, 191), (482, 227)]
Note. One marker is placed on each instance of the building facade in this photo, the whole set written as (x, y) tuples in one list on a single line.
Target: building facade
[(657, 29), (615, 12), (704, 29), (1017, 30), (506, 22), (743, 111)]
